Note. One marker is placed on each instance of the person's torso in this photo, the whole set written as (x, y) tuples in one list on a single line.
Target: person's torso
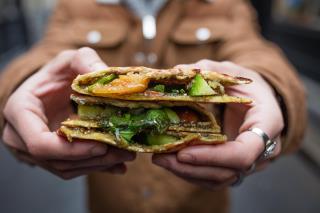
[(187, 31)]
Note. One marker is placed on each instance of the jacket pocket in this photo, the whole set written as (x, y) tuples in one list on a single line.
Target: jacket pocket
[(195, 39), (107, 38), (98, 34)]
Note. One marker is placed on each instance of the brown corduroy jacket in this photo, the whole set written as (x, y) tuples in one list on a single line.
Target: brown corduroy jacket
[(116, 34)]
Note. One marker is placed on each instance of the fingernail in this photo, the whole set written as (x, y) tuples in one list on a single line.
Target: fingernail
[(185, 157), (98, 150)]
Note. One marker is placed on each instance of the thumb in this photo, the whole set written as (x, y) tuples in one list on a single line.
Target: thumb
[(87, 60)]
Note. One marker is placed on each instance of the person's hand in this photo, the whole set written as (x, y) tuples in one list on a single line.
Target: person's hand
[(34, 112), (217, 166)]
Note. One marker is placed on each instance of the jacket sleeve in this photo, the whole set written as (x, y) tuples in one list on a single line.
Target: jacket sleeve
[(247, 48), (25, 65)]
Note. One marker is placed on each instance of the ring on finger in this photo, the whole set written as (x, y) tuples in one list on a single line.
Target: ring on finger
[(269, 145)]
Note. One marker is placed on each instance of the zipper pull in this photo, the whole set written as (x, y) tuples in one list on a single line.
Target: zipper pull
[(149, 28)]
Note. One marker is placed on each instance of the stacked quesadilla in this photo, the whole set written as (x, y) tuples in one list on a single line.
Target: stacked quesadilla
[(149, 110)]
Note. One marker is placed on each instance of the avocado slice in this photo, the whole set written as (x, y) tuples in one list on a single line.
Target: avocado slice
[(199, 87), (160, 139), (127, 134), (107, 79), (102, 81), (172, 115)]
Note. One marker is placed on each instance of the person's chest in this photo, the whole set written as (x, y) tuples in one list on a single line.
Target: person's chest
[(186, 31)]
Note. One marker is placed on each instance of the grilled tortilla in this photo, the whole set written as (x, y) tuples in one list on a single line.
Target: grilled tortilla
[(147, 84), (156, 127)]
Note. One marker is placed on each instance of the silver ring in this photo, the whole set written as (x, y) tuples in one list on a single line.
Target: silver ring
[(240, 178), (269, 145)]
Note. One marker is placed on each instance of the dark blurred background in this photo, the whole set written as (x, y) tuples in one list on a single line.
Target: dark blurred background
[(292, 184)]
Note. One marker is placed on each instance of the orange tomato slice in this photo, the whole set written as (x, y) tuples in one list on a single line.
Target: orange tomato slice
[(125, 84)]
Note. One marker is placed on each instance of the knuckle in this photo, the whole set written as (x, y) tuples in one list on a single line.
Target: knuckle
[(6, 108), (86, 50), (204, 61), (66, 53), (10, 107)]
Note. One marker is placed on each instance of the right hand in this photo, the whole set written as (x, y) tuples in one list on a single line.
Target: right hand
[(35, 110)]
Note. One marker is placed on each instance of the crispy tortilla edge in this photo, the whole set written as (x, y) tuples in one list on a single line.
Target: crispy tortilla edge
[(191, 139)]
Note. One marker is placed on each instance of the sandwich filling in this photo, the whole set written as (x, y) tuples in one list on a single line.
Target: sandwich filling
[(133, 83), (142, 123)]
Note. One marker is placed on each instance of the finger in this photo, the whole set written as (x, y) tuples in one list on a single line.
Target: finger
[(87, 60), (113, 157), (58, 67), (23, 157), (239, 154), (12, 139), (230, 155), (223, 67), (117, 169), (50, 146), (70, 174), (170, 162), (261, 164), (44, 144)]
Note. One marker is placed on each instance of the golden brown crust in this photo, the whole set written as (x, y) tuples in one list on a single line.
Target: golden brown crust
[(188, 140), (80, 84), (158, 74)]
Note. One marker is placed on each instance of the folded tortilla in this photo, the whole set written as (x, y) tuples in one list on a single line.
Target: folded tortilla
[(97, 124), (147, 84)]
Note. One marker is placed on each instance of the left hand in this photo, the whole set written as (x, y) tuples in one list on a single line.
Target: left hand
[(217, 166)]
